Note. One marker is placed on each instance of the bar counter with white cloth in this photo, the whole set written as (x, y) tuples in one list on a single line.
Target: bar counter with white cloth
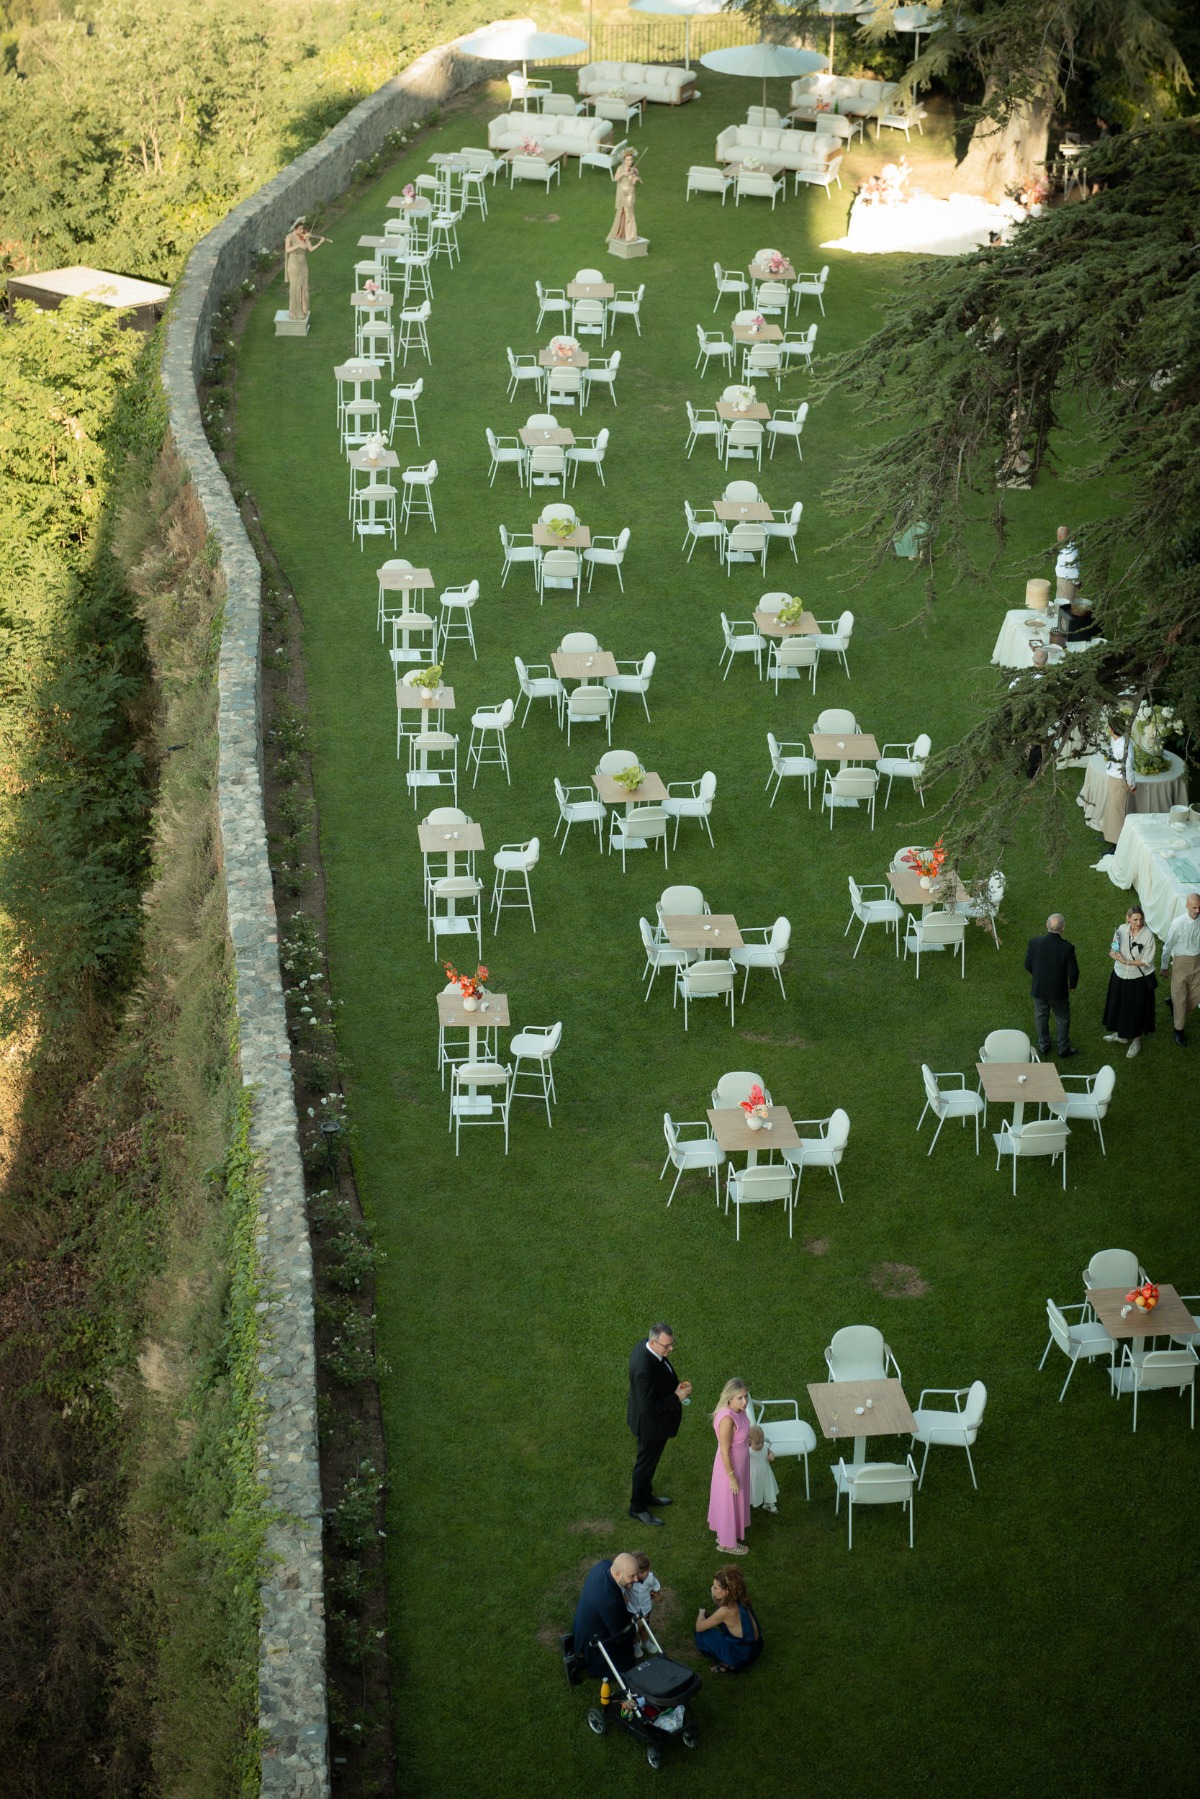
[(1160, 860)]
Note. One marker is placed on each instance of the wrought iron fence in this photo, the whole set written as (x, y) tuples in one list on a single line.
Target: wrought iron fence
[(658, 40)]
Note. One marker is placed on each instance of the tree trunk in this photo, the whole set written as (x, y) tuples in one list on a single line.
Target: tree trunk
[(1001, 156)]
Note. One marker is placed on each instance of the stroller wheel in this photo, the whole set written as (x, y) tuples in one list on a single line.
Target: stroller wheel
[(654, 1757), (690, 1737), (596, 1720)]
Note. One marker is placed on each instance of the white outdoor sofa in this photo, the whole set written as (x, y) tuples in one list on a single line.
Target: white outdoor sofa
[(793, 150), (555, 132), (813, 94), (660, 82)]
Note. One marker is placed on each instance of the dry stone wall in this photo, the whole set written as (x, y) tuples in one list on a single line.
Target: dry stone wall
[(292, 1709)]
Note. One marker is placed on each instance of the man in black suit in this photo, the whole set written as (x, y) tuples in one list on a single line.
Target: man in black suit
[(602, 1613), (655, 1412), (1051, 962)]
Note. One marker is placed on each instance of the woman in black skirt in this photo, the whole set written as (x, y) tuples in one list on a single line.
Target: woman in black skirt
[(1129, 1006)]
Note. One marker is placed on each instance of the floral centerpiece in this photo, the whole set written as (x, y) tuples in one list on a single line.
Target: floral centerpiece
[(887, 188), (758, 323), (530, 147), (560, 526), (1149, 729), (742, 398), (374, 446), (776, 263), (470, 985), (1145, 1297), (756, 1110), (630, 778), (562, 347), (408, 193), (1032, 194), (927, 863), (792, 611), (751, 164)]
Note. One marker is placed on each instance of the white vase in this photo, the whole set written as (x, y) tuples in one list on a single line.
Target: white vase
[(927, 882), (753, 1123), (470, 1005)]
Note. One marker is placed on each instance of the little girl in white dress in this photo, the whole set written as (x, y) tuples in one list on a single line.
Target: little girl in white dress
[(764, 1488)]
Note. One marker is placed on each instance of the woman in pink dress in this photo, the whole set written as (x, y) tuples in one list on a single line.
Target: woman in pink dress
[(729, 1498)]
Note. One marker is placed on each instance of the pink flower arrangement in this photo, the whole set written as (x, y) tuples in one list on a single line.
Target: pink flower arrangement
[(755, 1106), (408, 193), (530, 148)]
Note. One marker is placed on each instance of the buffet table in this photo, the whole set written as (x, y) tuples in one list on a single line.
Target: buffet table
[(1161, 861), (1152, 793), (1022, 630)]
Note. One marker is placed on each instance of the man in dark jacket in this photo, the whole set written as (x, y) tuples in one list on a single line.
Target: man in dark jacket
[(1051, 962), (654, 1414), (602, 1612)]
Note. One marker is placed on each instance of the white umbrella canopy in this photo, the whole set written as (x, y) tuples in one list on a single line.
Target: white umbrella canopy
[(687, 10), (839, 9), (917, 19), (768, 62), (519, 40)]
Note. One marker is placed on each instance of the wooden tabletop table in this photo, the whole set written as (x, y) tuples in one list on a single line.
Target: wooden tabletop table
[(449, 159), (546, 539), (861, 1409), (770, 625), (844, 746), (493, 1011), (590, 290), (404, 580), (451, 841), (743, 512), (408, 699), (714, 932), (736, 1137), (578, 359), (418, 205), (550, 156), (357, 371), (363, 463), (536, 437), (732, 414), (759, 271), (1170, 1317), (650, 793), (906, 885), (767, 334), (736, 167), (365, 302), (583, 665), (1018, 1084)]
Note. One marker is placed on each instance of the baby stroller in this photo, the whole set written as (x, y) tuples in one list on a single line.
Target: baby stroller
[(648, 1700)]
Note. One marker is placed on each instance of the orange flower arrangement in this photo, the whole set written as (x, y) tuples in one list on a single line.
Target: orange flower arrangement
[(755, 1106), (928, 865), (470, 984), (1145, 1298)]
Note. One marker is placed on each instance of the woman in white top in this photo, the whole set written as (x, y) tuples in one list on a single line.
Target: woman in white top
[(1129, 1004)]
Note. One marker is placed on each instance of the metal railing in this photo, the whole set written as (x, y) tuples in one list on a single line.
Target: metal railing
[(658, 40)]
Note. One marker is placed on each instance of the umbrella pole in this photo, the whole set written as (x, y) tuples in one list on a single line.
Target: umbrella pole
[(687, 44), (832, 31)]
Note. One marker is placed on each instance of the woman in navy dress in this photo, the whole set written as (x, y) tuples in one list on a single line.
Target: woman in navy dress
[(729, 1635)]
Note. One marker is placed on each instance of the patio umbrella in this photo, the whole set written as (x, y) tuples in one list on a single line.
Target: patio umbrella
[(521, 41), (687, 10), (917, 19), (838, 9), (765, 62)]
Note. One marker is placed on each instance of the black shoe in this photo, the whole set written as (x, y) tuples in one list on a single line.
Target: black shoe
[(1044, 1049), (644, 1517), (1069, 1051), (1181, 1040), (655, 1500)]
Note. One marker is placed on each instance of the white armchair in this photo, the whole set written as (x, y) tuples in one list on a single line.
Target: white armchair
[(1089, 1099), (634, 677), (758, 1186), (955, 1429), (949, 1102), (1080, 1342), (763, 946), (858, 1352), (697, 1152), (786, 764), (823, 1151), (875, 1483), (1153, 1371), (941, 930), (1043, 1137), (691, 799), (785, 1435), (887, 912), (905, 761)]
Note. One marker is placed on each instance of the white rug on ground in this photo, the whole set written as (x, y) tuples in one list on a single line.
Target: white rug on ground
[(923, 226)]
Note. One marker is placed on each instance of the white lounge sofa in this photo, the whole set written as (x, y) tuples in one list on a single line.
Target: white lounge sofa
[(657, 81), (856, 99), (792, 150), (555, 132)]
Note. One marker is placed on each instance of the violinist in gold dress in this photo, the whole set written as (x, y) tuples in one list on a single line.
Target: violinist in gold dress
[(624, 225)]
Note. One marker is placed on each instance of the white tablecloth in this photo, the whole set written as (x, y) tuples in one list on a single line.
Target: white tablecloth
[(1021, 628), (1163, 864), (1152, 793), (922, 225)]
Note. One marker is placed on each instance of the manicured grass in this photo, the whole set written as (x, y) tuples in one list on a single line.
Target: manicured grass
[(1007, 1653)]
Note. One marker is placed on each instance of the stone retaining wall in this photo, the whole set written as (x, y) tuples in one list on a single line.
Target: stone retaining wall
[(292, 1711)]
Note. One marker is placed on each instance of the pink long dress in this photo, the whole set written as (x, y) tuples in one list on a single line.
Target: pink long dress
[(728, 1516)]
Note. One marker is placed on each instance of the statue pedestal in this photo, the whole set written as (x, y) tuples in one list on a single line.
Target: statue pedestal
[(289, 327), (622, 247)]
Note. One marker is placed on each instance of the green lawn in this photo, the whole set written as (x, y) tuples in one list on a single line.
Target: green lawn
[(1041, 1635)]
